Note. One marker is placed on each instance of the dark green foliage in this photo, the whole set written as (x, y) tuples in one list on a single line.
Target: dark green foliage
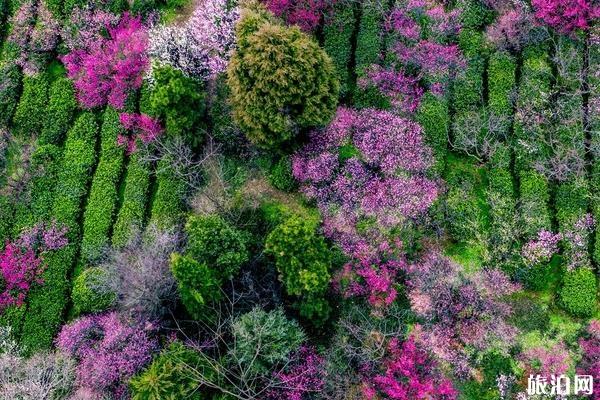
[(101, 205), (6, 217), (338, 35), (595, 205), (89, 294), (535, 195), (47, 302), (130, 218), (263, 339), (435, 120), (169, 376), (578, 293), (55, 7), (60, 111), (10, 76), (571, 203), (213, 241), (528, 313), (224, 130), (369, 39), (31, 111), (281, 81), (303, 260), (199, 285), (281, 177), (467, 89), (169, 200), (475, 14), (179, 102)]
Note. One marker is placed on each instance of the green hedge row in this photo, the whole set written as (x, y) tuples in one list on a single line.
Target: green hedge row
[(99, 213), (369, 39), (47, 302), (59, 114), (130, 218), (467, 88), (31, 111), (337, 33), (571, 202), (501, 83), (474, 14), (435, 121), (168, 205), (10, 76), (535, 195)]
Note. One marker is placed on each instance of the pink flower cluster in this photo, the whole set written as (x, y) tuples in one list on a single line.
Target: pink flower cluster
[(305, 13), (302, 378), (141, 127), (590, 346), (409, 374), (107, 70), (514, 29), (366, 172), (84, 27), (403, 90), (566, 15), (459, 311), (541, 249), (546, 361), (109, 351)]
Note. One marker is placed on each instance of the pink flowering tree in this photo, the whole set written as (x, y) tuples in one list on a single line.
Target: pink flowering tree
[(303, 377), (367, 174), (21, 261), (541, 249), (109, 68), (408, 373), (546, 359), (307, 14), (108, 351), (590, 360), (459, 312), (140, 127), (84, 27), (566, 16)]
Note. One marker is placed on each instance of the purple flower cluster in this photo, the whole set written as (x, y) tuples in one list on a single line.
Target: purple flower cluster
[(541, 249), (108, 350), (590, 360), (140, 126), (366, 172), (301, 378)]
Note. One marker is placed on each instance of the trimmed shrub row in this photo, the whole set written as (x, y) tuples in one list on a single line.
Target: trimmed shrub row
[(501, 83), (31, 111), (533, 212), (47, 302), (338, 35), (99, 213), (435, 121), (11, 77), (60, 111), (169, 200)]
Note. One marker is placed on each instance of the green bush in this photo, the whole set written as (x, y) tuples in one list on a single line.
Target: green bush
[(47, 302), (435, 121), (501, 83), (281, 177), (337, 33), (213, 241), (31, 110), (533, 211), (502, 205), (169, 200), (368, 40), (89, 292), (578, 293), (475, 14), (6, 218), (60, 111), (467, 89), (199, 285), (130, 218), (264, 339), (179, 102), (102, 201), (224, 129), (10, 76), (281, 81), (571, 203), (169, 376)]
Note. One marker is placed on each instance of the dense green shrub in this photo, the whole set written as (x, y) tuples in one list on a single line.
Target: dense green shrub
[(224, 130), (47, 302), (578, 293), (130, 218), (501, 85), (467, 89), (199, 285), (102, 201), (263, 339), (571, 202), (31, 110), (369, 39), (303, 260), (60, 111), (213, 241), (463, 213), (169, 376), (337, 41), (168, 205), (434, 119), (10, 76), (502, 205), (281, 81), (178, 101), (533, 212), (89, 293), (6, 218), (280, 175), (475, 14)]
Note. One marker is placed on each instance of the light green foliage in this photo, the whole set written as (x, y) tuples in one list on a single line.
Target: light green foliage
[(571, 202), (47, 302), (89, 292), (280, 81), (434, 119), (533, 212), (178, 101), (60, 111), (338, 35), (101, 206), (213, 241), (169, 377), (31, 111), (263, 339), (579, 291), (474, 14), (169, 200), (280, 175)]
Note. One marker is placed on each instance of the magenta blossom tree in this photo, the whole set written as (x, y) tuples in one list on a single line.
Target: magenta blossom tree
[(566, 15), (590, 360), (140, 127), (367, 174), (305, 13), (409, 374), (303, 377), (107, 70)]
